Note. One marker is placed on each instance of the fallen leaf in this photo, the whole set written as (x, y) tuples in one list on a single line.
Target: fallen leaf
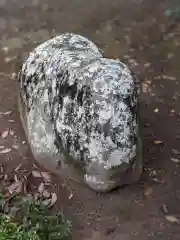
[(96, 236), (156, 110), (11, 132), (10, 120), (13, 75), (41, 188), (15, 178), (53, 199), (25, 188), (157, 142), (9, 59), (5, 177), (6, 150), (147, 65), (5, 134), (145, 88), (47, 202), (18, 167), (175, 160), (156, 180), (148, 192), (1, 169), (164, 208), (174, 151), (5, 49), (15, 146), (36, 196), (7, 113), (70, 196), (36, 174), (14, 210), (172, 219), (46, 176), (46, 194), (15, 187)]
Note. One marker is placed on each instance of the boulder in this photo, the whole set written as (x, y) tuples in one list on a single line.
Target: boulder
[(80, 113)]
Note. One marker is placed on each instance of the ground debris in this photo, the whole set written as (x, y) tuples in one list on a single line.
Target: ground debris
[(175, 160), (172, 219), (6, 150)]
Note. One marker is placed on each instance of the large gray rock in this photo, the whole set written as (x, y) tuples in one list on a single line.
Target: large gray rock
[(80, 112)]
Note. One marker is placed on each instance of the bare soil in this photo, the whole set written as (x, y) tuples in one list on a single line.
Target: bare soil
[(138, 33)]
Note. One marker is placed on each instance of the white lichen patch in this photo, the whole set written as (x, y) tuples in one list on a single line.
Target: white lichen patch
[(81, 104)]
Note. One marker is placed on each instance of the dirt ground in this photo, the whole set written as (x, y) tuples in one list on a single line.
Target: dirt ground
[(138, 33)]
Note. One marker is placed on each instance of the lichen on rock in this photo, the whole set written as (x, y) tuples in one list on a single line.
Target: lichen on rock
[(84, 107)]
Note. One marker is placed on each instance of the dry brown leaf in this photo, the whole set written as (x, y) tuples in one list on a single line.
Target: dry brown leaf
[(13, 75), (145, 88), (7, 113), (148, 191), (164, 208), (156, 110), (70, 196), (46, 194), (96, 236), (37, 196), (6, 150), (1, 169), (157, 142), (172, 219), (5, 134), (47, 202), (15, 178), (157, 180), (5, 177), (174, 151), (175, 160), (15, 187), (18, 167), (53, 199), (36, 174), (41, 188), (5, 49), (25, 190), (11, 120), (15, 146), (46, 176), (43, 175), (11, 132)]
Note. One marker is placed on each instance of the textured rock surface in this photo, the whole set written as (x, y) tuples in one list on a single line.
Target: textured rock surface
[(81, 108)]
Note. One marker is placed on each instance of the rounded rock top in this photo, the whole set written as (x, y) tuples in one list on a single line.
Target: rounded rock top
[(85, 107)]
